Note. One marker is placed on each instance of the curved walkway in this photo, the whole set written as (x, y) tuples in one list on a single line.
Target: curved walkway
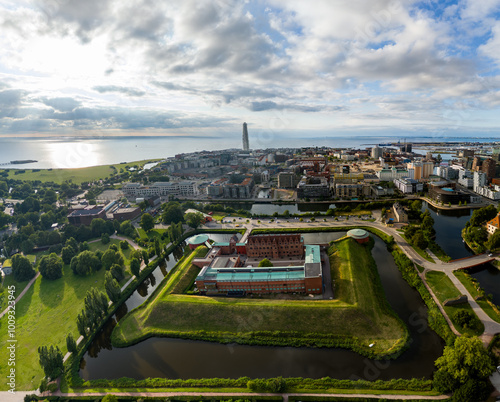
[(285, 396), (491, 327)]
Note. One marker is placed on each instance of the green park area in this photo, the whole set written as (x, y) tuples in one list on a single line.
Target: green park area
[(77, 176), (472, 285), (45, 315), (462, 316), (357, 317)]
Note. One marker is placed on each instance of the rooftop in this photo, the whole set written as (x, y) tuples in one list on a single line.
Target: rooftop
[(197, 239), (357, 233)]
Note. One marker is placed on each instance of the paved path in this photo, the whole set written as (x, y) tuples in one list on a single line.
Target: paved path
[(243, 394), (491, 327), (22, 293)]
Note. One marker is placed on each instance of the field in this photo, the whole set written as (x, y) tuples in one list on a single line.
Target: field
[(359, 316), (444, 289), (75, 175), (45, 315)]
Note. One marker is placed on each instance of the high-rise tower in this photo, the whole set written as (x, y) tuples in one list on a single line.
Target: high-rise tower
[(246, 147)]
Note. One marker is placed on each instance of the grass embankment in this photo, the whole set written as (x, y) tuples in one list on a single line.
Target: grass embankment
[(78, 176), (361, 318), (477, 293), (444, 289)]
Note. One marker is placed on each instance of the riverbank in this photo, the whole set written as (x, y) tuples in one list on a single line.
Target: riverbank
[(358, 318)]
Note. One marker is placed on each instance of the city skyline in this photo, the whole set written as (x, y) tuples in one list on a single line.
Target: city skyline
[(385, 67)]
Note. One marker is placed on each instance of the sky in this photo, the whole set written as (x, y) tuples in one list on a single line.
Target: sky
[(286, 67)]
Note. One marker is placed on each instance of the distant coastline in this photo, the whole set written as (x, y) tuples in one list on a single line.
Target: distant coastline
[(23, 161), (70, 153)]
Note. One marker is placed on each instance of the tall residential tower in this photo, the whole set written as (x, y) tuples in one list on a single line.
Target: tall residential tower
[(246, 147)]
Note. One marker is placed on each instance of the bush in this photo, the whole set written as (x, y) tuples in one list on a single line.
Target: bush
[(105, 238), (465, 319)]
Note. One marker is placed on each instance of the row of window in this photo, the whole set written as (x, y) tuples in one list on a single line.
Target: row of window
[(267, 289)]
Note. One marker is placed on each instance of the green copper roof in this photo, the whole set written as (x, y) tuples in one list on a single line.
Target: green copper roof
[(357, 233), (198, 239), (312, 254)]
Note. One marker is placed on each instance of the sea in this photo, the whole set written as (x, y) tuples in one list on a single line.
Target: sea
[(78, 152)]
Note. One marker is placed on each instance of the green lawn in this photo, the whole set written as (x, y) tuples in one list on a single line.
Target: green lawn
[(75, 175), (474, 289), (361, 311), (9, 281), (44, 316), (152, 234), (444, 289)]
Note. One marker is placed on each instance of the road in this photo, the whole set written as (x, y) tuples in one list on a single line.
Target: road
[(491, 327)]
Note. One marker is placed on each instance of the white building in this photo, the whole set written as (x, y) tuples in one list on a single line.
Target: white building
[(185, 188), (465, 178), (480, 180), (392, 174), (408, 186)]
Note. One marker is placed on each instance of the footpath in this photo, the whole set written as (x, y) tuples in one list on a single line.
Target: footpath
[(285, 396)]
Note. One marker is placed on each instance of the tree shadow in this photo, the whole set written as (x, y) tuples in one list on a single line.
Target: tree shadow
[(52, 292)]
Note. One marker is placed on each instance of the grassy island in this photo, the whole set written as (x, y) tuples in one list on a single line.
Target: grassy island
[(357, 317)]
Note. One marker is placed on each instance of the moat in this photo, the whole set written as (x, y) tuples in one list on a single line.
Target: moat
[(175, 358)]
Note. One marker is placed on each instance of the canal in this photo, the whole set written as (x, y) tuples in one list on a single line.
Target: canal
[(448, 226), (175, 358)]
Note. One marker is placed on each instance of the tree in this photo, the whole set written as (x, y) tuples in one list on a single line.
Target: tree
[(172, 213), (27, 246), (465, 319), (73, 243), (124, 245), (265, 263), (147, 222), (105, 238), (108, 258), (70, 343), (117, 272), (112, 287), (157, 246), (194, 219), (145, 257), (482, 215), (418, 240), (135, 266), (22, 269), (109, 398), (50, 266), (85, 263), (466, 359), (51, 361), (493, 242)]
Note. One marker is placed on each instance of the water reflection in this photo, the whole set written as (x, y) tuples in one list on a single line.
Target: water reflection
[(175, 358)]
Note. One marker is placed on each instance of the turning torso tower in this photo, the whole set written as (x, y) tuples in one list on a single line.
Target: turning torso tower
[(246, 147)]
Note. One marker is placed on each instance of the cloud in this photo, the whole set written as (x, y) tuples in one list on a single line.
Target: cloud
[(270, 105), (124, 90), (62, 104)]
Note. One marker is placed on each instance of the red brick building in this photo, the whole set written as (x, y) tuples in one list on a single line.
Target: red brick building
[(275, 246)]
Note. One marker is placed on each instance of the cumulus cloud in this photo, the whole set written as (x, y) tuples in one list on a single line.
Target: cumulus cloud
[(62, 104), (124, 90), (240, 58)]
